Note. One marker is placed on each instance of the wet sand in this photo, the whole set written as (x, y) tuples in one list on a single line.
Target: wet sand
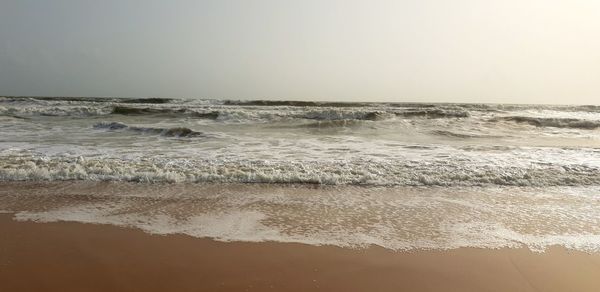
[(68, 256)]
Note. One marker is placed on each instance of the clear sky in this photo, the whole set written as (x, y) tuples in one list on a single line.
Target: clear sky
[(524, 51)]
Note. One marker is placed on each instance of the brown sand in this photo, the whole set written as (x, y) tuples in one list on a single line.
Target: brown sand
[(86, 257)]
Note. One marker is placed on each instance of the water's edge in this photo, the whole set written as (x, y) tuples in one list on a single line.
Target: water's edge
[(401, 218)]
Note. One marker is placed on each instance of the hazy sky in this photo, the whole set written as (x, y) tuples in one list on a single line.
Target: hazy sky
[(531, 51)]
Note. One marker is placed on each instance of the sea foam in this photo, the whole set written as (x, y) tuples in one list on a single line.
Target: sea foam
[(393, 218)]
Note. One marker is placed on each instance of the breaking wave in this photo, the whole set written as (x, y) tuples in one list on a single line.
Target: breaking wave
[(353, 172), (294, 103), (124, 110), (167, 132), (54, 111), (434, 113), (553, 122), (329, 115)]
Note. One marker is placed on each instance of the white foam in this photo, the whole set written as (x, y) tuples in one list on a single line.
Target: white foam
[(235, 225), (526, 168), (393, 218)]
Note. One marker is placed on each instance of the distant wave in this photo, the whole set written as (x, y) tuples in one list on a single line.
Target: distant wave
[(298, 103), (589, 108), (167, 132), (311, 114), (59, 111), (415, 105), (124, 110), (148, 100), (432, 108), (152, 100), (553, 122), (330, 115), (435, 113), (294, 103), (333, 119), (265, 111)]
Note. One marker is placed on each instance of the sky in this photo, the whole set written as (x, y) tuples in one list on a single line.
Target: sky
[(511, 51)]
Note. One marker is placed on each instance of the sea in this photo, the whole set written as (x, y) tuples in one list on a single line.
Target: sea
[(402, 176)]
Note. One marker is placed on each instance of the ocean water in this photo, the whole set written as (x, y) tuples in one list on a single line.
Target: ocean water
[(398, 175)]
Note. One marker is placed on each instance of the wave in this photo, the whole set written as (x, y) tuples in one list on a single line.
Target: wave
[(54, 111), (329, 115), (415, 105), (220, 114), (347, 172), (241, 111), (243, 115), (124, 110), (332, 124), (589, 108), (434, 113), (167, 132), (553, 122), (149, 100), (310, 114), (295, 103), (333, 119), (13, 117)]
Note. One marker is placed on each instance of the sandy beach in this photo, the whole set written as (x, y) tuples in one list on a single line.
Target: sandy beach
[(66, 256)]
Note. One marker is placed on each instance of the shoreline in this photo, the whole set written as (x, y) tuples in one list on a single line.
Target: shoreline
[(407, 218), (69, 256)]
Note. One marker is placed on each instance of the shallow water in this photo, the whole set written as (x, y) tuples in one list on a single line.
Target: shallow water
[(397, 218), (401, 176), (162, 140)]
